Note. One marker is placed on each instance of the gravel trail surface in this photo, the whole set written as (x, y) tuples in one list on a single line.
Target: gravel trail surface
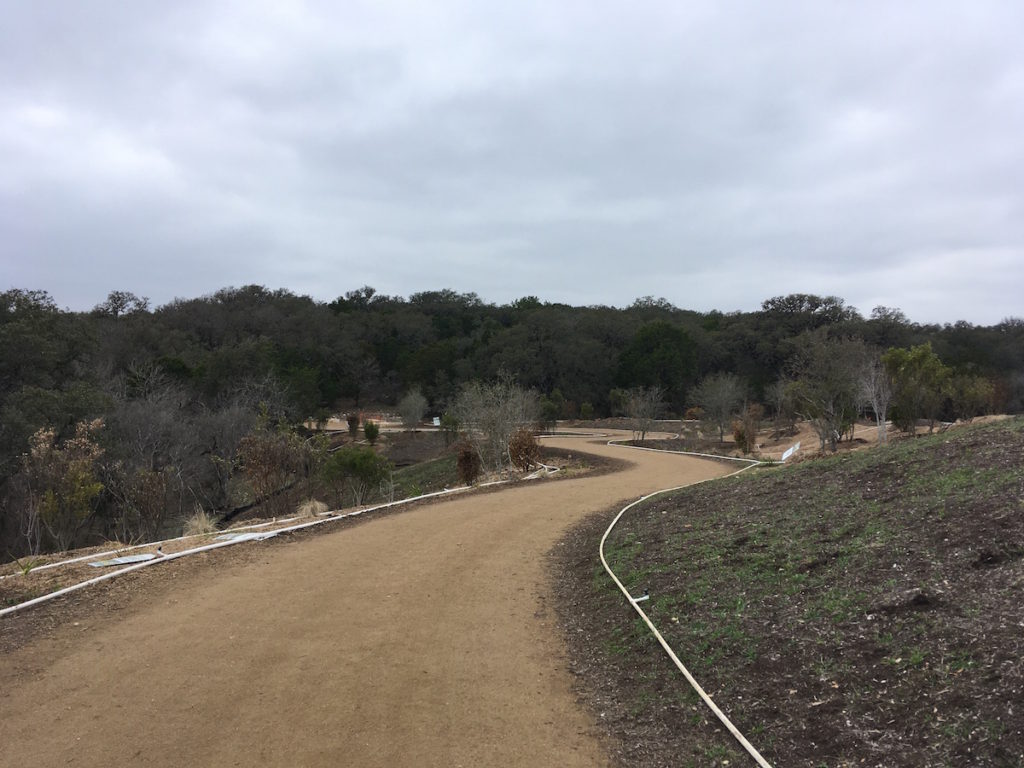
[(425, 638)]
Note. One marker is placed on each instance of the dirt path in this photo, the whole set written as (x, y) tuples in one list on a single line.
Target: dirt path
[(422, 639)]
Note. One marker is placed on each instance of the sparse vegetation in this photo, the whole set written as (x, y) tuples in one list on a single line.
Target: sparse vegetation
[(868, 599), (28, 564), (425, 477)]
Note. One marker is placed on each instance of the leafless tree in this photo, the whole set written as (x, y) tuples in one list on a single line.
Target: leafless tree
[(270, 459), (491, 413), (720, 396), (876, 390), (643, 406), (412, 407), (779, 397)]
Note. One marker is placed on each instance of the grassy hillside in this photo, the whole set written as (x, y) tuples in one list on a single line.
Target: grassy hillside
[(861, 610)]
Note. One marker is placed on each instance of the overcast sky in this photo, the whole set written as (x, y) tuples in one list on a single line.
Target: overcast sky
[(712, 153)]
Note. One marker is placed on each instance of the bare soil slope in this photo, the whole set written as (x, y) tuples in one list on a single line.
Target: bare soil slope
[(422, 638), (858, 610)]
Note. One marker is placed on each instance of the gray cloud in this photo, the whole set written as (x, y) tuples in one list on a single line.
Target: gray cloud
[(712, 153)]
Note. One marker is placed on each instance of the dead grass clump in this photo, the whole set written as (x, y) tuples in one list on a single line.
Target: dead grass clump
[(311, 508), (200, 522)]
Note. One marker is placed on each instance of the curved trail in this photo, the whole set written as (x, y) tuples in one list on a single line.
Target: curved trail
[(416, 639)]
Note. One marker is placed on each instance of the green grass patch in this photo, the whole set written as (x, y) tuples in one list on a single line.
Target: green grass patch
[(853, 589)]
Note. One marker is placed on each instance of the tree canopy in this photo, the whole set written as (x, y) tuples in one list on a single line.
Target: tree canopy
[(179, 386)]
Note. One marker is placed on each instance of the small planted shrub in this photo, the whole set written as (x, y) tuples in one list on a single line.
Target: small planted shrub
[(467, 463), (371, 429), (523, 449), (26, 566)]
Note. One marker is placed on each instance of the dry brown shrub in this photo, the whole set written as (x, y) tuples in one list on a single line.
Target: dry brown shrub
[(523, 449), (467, 462), (201, 522), (745, 431), (311, 508)]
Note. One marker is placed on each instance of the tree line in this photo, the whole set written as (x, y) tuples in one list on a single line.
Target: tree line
[(122, 420)]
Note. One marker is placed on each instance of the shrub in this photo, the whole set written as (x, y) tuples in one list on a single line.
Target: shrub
[(523, 449), (357, 469), (745, 431), (696, 413), (311, 508), (549, 413), (586, 411), (467, 462), (353, 424), (739, 435), (371, 429), (200, 522)]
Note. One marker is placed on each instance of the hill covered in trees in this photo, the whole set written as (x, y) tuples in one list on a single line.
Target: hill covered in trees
[(133, 415)]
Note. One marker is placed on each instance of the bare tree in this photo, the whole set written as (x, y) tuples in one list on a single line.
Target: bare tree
[(271, 458), (779, 396), (141, 497), (644, 405), (491, 413), (219, 432), (876, 390), (720, 396), (153, 472), (412, 407)]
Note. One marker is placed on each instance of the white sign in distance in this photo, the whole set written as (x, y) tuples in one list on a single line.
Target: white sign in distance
[(790, 451)]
